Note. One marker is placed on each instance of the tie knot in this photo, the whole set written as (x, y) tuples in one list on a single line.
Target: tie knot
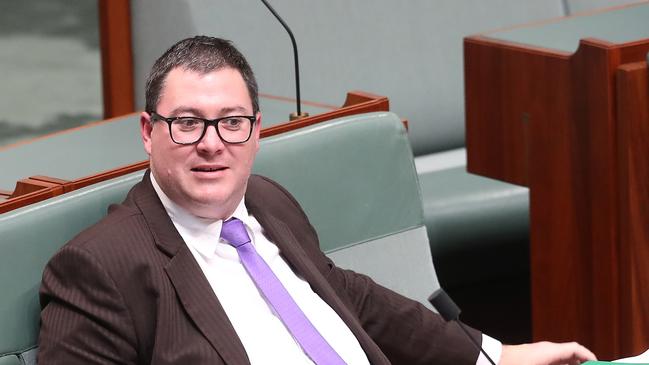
[(234, 231)]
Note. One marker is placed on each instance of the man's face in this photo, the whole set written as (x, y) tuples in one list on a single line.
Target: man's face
[(208, 178)]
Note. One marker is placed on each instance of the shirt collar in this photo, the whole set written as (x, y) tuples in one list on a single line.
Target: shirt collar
[(201, 230)]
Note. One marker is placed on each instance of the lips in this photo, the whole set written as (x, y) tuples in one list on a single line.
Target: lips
[(208, 168), (201, 169)]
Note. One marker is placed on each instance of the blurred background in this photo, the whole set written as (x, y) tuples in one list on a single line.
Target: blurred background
[(51, 68)]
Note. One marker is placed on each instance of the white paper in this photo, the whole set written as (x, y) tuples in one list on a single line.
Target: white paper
[(643, 358)]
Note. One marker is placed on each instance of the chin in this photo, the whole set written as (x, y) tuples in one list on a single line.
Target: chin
[(211, 206)]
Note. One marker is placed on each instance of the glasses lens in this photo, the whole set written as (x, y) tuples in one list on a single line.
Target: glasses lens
[(235, 129), (187, 130)]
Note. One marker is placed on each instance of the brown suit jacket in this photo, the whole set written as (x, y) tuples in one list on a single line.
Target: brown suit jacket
[(128, 291)]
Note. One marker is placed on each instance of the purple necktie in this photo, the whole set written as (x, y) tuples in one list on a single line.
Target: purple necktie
[(313, 344)]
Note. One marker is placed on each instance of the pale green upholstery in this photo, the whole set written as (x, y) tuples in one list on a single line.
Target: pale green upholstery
[(356, 173), (391, 259), (10, 359), (455, 211), (356, 179), (30, 236), (478, 230)]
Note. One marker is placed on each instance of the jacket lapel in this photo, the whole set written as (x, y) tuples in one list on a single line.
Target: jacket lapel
[(192, 287), (198, 299)]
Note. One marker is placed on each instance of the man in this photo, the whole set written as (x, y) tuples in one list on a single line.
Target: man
[(205, 264)]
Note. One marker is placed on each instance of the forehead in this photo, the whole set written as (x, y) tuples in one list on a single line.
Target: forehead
[(222, 88)]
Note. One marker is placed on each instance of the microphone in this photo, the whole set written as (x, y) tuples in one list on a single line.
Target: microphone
[(451, 312), (299, 113)]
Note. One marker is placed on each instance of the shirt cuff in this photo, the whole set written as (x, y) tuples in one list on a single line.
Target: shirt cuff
[(492, 347)]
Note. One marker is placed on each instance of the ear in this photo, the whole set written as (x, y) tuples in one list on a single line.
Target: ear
[(146, 127), (257, 131)]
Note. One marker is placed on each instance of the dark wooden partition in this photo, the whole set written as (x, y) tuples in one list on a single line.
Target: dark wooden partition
[(633, 161), (560, 124), (116, 57)]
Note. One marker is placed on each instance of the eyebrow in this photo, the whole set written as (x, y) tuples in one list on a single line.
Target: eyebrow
[(197, 112)]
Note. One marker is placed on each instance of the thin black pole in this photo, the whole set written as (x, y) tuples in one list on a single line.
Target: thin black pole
[(297, 69)]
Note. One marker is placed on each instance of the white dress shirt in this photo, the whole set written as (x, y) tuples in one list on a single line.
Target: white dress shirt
[(263, 335)]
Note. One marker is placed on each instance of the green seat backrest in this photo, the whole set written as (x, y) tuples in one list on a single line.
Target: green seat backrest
[(10, 359), (354, 177), (29, 237), (356, 180)]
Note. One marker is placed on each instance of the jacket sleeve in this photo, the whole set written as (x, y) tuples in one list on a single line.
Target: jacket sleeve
[(406, 331), (83, 316)]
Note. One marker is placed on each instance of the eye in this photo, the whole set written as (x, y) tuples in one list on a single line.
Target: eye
[(233, 123), (188, 124)]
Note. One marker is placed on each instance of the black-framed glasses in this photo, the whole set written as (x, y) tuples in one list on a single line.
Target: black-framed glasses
[(233, 129)]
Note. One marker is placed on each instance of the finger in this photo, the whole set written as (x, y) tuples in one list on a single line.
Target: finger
[(572, 353), (579, 352)]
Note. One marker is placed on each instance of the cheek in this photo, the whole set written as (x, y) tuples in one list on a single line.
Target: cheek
[(248, 159), (166, 160)]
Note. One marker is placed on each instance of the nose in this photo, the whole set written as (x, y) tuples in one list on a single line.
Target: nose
[(211, 142)]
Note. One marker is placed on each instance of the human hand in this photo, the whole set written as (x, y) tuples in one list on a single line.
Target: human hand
[(545, 353)]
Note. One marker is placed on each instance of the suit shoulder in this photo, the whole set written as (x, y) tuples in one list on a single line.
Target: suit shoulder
[(112, 231)]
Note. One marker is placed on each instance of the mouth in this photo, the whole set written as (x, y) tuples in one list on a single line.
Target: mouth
[(208, 169)]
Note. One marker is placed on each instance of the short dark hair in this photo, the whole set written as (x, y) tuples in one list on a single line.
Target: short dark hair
[(200, 54)]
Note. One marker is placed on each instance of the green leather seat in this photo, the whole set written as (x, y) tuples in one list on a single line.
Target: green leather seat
[(478, 231), (465, 212), (10, 360), (356, 180), (354, 176), (30, 236)]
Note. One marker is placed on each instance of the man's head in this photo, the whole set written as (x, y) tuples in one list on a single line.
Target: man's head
[(205, 78), (200, 54)]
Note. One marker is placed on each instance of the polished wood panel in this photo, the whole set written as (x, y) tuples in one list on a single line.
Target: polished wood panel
[(37, 188), (356, 102), (547, 120), (633, 151), (31, 185), (116, 57), (27, 199)]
